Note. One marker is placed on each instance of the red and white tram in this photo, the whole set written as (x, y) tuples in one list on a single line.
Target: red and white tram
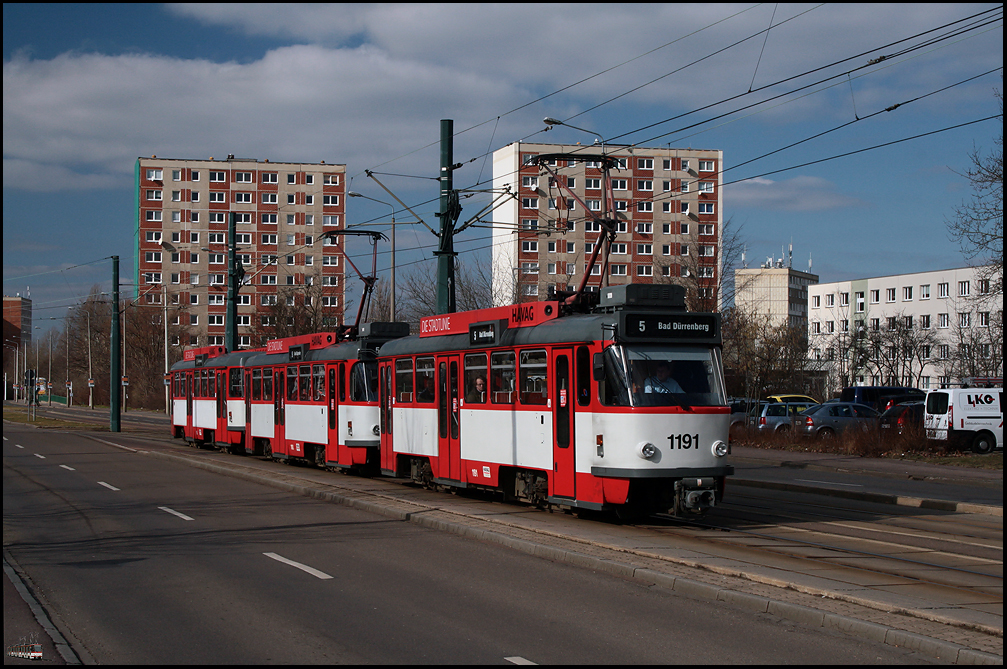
[(560, 409), (575, 410), (208, 402)]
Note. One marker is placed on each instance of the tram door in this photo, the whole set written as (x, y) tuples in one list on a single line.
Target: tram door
[(563, 398), (332, 441), (385, 395), (449, 449), (278, 444), (188, 404)]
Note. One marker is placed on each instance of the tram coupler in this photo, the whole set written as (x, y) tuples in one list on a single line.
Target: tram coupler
[(695, 495)]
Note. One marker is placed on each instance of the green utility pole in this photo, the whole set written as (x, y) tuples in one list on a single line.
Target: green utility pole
[(235, 274), (449, 212), (115, 373)]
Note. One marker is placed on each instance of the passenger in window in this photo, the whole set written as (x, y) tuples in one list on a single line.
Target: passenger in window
[(426, 389), (477, 392), (662, 381)]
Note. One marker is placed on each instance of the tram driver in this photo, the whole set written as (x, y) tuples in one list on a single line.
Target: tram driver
[(662, 380)]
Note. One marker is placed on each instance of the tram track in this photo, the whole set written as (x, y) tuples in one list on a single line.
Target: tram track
[(850, 552)]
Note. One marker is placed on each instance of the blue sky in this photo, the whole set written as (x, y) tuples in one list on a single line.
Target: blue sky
[(89, 88)]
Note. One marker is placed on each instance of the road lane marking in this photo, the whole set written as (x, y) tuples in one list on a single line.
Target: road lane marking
[(19, 445), (110, 443), (107, 485), (303, 567), (40, 456), (520, 660), (852, 485), (175, 513), (68, 468)]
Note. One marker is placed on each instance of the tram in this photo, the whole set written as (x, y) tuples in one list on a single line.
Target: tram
[(536, 402)]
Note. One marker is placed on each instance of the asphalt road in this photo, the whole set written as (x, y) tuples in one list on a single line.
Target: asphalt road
[(143, 560)]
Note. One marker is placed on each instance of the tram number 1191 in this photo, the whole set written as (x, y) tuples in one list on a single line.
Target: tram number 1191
[(685, 441)]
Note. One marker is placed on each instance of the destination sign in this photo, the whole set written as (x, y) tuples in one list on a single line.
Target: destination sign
[(483, 334), (670, 326)]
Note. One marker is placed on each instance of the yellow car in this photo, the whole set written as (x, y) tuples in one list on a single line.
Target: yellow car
[(792, 398)]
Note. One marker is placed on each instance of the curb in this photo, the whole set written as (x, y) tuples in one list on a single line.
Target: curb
[(936, 648), (879, 498)]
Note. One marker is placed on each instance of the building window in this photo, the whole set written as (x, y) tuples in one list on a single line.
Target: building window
[(243, 198), (706, 186), (154, 216), (269, 198), (963, 289), (243, 177), (155, 175), (645, 163), (943, 321), (943, 290), (618, 270), (925, 292), (705, 165), (816, 301), (644, 270), (218, 197), (707, 208), (644, 184), (269, 177)]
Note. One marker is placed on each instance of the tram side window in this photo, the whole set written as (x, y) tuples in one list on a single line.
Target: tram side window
[(267, 385), (256, 384), (292, 383), (583, 376), (475, 378), (318, 378), (533, 370), (404, 380), (235, 385), (502, 377), (305, 383), (424, 379), (202, 383)]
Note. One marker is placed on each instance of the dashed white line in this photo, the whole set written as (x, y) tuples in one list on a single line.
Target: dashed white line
[(520, 660), (37, 455), (175, 513), (303, 567), (68, 468), (107, 485), (19, 445)]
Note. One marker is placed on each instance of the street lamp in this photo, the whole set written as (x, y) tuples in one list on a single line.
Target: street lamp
[(391, 301), (550, 122)]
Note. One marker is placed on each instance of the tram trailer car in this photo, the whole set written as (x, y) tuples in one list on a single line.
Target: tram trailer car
[(208, 405), (567, 412), (315, 401), (298, 398)]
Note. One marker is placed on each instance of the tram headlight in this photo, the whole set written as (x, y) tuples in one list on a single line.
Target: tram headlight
[(376, 430), (646, 450), (719, 448)]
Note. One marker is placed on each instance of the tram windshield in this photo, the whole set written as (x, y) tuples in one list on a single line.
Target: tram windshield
[(662, 375), (364, 381)]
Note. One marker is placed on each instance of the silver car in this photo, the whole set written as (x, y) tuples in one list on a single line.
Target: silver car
[(780, 416), (825, 421)]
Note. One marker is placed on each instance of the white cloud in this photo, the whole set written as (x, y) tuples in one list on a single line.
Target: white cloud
[(797, 194), (80, 121)]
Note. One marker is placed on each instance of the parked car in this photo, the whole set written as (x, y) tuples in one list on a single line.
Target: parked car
[(881, 397), (966, 416), (825, 421), (780, 416), (905, 418), (791, 398), (743, 415), (740, 410)]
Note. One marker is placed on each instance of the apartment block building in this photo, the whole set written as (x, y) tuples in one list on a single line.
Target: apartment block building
[(282, 210), (668, 208), (925, 329), (775, 291)]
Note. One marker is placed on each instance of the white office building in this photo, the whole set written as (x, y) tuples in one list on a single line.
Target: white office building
[(926, 330)]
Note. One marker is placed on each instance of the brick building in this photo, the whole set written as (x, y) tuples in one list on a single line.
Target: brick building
[(667, 203), (282, 211)]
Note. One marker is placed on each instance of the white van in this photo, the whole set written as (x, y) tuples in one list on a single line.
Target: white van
[(966, 416)]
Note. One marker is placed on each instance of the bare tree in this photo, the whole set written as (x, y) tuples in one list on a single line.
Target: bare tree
[(705, 269), (978, 225), (417, 294)]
